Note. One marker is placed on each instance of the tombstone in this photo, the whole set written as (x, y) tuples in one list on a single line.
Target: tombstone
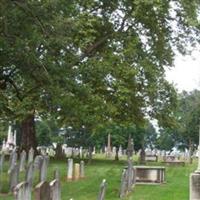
[(82, 169), (102, 190), (130, 174), (43, 170), (14, 176), (30, 174), (76, 171), (38, 162), (30, 155), (56, 174), (70, 169), (123, 186), (1, 168), (42, 191), (195, 178), (12, 161), (22, 161), (22, 191), (55, 190), (1, 162)]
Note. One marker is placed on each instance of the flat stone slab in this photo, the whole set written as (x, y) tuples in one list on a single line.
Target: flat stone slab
[(150, 174)]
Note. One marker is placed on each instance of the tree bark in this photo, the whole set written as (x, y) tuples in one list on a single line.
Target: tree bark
[(142, 156), (190, 151), (90, 155), (28, 134), (117, 154)]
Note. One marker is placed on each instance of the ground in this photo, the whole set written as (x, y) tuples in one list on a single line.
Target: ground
[(176, 187)]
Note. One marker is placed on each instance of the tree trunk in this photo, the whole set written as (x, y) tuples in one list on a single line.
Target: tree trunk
[(190, 151), (28, 134), (90, 155), (142, 156), (117, 154)]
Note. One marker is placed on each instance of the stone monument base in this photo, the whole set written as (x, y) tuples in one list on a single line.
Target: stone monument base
[(195, 186)]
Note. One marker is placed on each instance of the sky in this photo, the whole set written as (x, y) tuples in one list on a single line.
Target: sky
[(186, 72)]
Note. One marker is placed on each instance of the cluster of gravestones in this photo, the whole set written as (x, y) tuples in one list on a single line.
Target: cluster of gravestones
[(22, 190), (43, 190), (75, 171), (128, 180)]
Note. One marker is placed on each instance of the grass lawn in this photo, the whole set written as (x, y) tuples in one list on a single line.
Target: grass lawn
[(176, 188)]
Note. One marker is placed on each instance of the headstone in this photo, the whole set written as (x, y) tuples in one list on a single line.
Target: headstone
[(102, 190), (76, 171), (42, 191), (55, 190), (12, 161), (195, 178), (43, 170), (38, 162), (1, 162), (14, 176), (56, 174), (123, 186), (30, 155), (70, 169), (130, 176), (82, 169), (22, 161), (22, 191), (30, 174)]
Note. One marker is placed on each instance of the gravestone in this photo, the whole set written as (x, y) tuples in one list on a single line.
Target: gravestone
[(42, 191), (70, 169), (22, 191), (22, 161), (82, 169), (195, 178), (12, 161), (30, 174), (76, 171), (38, 162), (2, 156), (56, 174), (43, 170), (130, 175), (102, 190), (55, 190), (14, 176), (30, 155), (123, 186)]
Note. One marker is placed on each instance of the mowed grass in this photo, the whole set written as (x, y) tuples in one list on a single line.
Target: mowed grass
[(176, 187)]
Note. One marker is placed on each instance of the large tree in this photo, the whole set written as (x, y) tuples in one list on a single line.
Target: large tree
[(90, 62)]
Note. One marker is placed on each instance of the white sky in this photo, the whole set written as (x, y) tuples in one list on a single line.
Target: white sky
[(186, 72)]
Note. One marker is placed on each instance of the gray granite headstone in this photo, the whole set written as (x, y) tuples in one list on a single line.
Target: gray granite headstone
[(123, 186), (55, 190), (42, 191), (30, 174), (12, 161), (43, 170), (22, 191), (102, 190), (195, 186), (14, 177), (82, 169), (22, 161), (30, 155)]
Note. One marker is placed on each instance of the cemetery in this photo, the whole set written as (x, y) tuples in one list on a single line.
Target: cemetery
[(99, 100)]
